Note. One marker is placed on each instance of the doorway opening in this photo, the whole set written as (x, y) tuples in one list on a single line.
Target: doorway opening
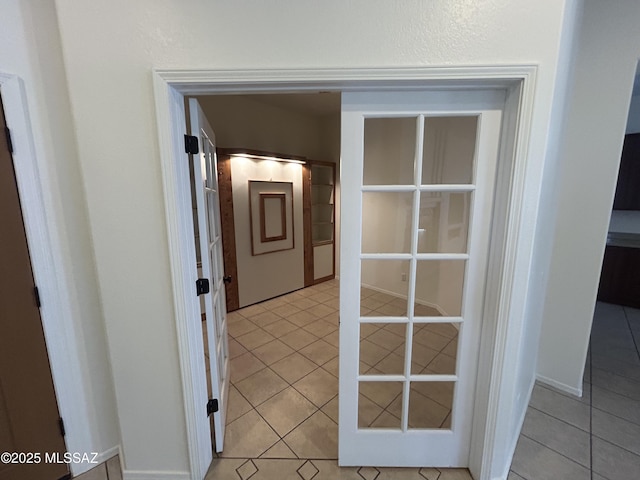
[(612, 368), (514, 84), (427, 174), (282, 296)]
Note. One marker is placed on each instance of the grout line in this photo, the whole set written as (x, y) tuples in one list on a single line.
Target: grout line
[(616, 359), (635, 454), (518, 474), (626, 317), (616, 393), (555, 451), (314, 459), (617, 416), (374, 420), (289, 447), (613, 371), (616, 374), (558, 418)]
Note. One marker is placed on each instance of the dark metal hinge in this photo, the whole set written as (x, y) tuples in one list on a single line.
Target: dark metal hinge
[(7, 134), (191, 144), (212, 406), (202, 286), (36, 294), (63, 432)]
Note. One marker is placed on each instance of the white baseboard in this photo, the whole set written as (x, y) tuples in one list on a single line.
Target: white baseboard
[(559, 386), (419, 302), (151, 475), (107, 454), (80, 468)]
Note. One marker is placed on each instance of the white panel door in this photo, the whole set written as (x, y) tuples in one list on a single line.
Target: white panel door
[(417, 180), (209, 228)]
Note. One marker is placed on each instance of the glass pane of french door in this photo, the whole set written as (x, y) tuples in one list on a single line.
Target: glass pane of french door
[(415, 224), (421, 202)]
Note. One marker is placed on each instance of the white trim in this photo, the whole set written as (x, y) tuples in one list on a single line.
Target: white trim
[(500, 341), (151, 475), (57, 314), (514, 441), (195, 82), (178, 210), (519, 81), (110, 453), (419, 302), (577, 392)]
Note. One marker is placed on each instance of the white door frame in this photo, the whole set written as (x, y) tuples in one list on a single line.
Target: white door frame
[(510, 254)]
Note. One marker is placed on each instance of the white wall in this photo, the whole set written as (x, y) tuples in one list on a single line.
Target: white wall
[(609, 47), (271, 274), (30, 48), (109, 51)]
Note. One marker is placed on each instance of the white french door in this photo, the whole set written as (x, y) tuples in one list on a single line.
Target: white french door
[(417, 181), (209, 228)]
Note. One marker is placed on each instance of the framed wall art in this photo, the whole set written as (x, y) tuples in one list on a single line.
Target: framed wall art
[(271, 216)]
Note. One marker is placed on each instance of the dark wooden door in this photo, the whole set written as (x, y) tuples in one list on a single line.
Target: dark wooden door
[(29, 419)]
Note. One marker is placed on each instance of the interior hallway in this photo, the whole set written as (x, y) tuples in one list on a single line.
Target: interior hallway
[(597, 436)]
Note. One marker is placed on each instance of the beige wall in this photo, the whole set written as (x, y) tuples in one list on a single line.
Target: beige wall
[(30, 48), (259, 122), (241, 121), (271, 274)]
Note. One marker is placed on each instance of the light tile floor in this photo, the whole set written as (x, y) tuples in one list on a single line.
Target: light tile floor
[(597, 436), (283, 402), (282, 418), (109, 470)]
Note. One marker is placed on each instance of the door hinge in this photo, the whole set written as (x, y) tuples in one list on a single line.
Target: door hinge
[(227, 279), (202, 286), (63, 432), (191, 144), (36, 294), (7, 134), (212, 406)]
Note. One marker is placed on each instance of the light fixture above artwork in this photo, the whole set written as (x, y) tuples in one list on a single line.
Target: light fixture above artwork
[(274, 158)]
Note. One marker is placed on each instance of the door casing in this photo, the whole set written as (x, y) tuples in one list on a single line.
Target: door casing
[(507, 277)]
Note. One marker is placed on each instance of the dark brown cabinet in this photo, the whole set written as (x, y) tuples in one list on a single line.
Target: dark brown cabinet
[(628, 188), (620, 277)]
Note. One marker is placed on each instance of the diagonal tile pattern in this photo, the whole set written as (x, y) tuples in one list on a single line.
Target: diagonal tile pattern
[(284, 385)]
